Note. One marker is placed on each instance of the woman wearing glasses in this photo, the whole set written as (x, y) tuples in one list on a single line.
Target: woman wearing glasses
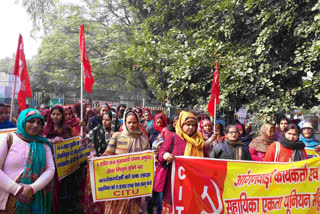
[(231, 148), (187, 142)]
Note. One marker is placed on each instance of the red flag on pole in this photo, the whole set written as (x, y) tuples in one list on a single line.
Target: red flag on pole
[(215, 91), (21, 71), (88, 78)]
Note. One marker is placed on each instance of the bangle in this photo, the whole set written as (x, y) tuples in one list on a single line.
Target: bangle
[(20, 191), (32, 190)]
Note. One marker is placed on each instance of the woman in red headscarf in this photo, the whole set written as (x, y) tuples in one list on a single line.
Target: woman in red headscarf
[(56, 128), (200, 124), (160, 122), (71, 120), (66, 192)]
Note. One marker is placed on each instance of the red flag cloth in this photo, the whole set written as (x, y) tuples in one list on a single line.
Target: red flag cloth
[(21, 71), (215, 91), (88, 78)]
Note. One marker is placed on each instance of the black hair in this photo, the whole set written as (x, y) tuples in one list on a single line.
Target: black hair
[(60, 109), (122, 113), (131, 112), (105, 105), (283, 118), (109, 113), (121, 105), (138, 108), (170, 126), (292, 126), (221, 128), (205, 117), (160, 119), (68, 108)]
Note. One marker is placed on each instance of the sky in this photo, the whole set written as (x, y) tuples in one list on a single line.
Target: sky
[(14, 21)]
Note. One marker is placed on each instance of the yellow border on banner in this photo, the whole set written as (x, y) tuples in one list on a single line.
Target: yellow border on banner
[(92, 172), (312, 153), (281, 166), (77, 163), (2, 131)]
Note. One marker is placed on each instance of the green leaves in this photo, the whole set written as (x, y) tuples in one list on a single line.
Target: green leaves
[(268, 51)]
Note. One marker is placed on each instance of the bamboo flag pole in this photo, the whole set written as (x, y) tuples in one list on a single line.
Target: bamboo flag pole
[(12, 97)]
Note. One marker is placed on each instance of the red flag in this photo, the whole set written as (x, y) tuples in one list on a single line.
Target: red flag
[(215, 91), (21, 71), (88, 78)]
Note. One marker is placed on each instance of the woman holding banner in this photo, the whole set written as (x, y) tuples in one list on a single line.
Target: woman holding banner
[(26, 167), (131, 139), (56, 128), (289, 149), (66, 198), (186, 141)]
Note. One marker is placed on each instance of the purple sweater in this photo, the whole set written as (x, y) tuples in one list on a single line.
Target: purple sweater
[(178, 150)]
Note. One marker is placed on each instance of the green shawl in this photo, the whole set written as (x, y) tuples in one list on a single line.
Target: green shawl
[(35, 166)]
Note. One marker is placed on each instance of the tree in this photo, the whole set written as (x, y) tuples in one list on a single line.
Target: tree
[(265, 49), (268, 51), (7, 64), (108, 34)]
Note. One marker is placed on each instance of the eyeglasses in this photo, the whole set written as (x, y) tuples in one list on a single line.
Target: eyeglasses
[(235, 132)]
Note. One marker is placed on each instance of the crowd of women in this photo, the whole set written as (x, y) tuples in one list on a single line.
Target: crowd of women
[(29, 183)]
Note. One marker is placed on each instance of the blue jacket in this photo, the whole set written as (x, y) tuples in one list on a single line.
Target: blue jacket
[(7, 125)]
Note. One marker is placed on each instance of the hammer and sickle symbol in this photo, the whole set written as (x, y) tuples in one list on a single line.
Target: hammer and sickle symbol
[(206, 195)]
